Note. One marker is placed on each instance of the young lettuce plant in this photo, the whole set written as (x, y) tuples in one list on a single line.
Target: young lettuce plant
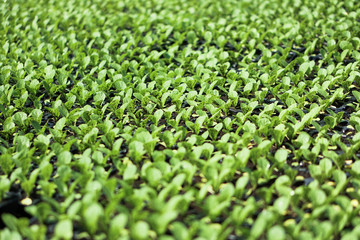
[(197, 125), (170, 139)]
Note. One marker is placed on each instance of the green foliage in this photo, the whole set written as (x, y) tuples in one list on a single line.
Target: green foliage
[(180, 119)]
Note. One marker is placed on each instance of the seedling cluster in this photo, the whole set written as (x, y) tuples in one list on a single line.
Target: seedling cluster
[(180, 119)]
